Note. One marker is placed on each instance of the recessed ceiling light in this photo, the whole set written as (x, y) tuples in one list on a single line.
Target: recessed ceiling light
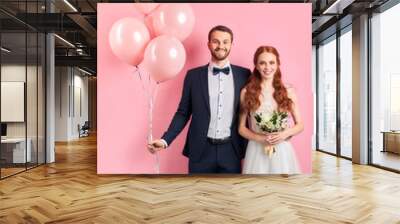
[(64, 40), (84, 71), (5, 50), (337, 7), (70, 5)]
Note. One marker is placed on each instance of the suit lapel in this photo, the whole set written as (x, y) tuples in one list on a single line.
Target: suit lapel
[(236, 84), (204, 86)]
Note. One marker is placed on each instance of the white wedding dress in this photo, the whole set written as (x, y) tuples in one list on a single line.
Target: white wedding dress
[(283, 161)]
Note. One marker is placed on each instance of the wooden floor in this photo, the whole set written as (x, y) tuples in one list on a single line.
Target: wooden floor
[(5, 172), (70, 191), (387, 159)]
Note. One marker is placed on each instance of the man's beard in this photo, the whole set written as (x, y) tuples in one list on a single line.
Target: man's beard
[(220, 58)]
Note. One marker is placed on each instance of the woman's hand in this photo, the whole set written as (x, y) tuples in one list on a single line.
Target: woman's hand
[(278, 137), (262, 138)]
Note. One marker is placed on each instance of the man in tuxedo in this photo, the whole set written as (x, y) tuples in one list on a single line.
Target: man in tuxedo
[(211, 98)]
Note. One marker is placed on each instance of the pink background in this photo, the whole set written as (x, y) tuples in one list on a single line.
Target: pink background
[(122, 110)]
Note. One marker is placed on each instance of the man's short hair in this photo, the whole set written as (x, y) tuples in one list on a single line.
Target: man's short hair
[(220, 28)]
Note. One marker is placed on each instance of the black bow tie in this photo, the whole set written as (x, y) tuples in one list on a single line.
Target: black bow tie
[(223, 70)]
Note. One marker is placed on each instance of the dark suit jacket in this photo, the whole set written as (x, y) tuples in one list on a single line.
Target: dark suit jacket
[(195, 103)]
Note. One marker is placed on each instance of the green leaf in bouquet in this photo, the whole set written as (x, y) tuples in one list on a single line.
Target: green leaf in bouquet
[(258, 117), (274, 118)]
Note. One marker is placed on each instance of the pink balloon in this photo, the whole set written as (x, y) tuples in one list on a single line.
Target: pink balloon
[(146, 8), (128, 38), (173, 19), (148, 21), (164, 58)]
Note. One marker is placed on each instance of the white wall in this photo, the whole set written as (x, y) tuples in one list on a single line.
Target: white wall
[(71, 93), (16, 73), (81, 103), (12, 101), (12, 73), (33, 127), (62, 81)]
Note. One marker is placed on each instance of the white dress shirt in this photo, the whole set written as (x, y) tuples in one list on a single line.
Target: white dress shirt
[(221, 95)]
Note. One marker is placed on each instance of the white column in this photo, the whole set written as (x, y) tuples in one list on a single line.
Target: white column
[(360, 90), (50, 99), (50, 92), (314, 92)]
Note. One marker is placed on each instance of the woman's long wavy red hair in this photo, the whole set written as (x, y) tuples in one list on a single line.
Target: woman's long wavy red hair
[(253, 86)]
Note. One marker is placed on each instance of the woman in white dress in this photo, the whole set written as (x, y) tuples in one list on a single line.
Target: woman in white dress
[(265, 93)]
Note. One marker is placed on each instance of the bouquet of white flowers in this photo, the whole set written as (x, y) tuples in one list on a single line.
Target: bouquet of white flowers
[(275, 122)]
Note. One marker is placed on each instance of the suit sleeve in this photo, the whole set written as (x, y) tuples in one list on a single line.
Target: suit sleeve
[(183, 113), (248, 73)]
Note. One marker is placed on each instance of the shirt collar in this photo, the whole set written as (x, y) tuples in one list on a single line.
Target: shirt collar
[(212, 65)]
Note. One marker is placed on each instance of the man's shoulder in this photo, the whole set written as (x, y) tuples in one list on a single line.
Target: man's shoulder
[(194, 72), (241, 69), (197, 69)]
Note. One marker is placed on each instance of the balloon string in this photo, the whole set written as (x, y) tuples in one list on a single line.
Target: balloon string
[(151, 95), (152, 101), (141, 80)]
